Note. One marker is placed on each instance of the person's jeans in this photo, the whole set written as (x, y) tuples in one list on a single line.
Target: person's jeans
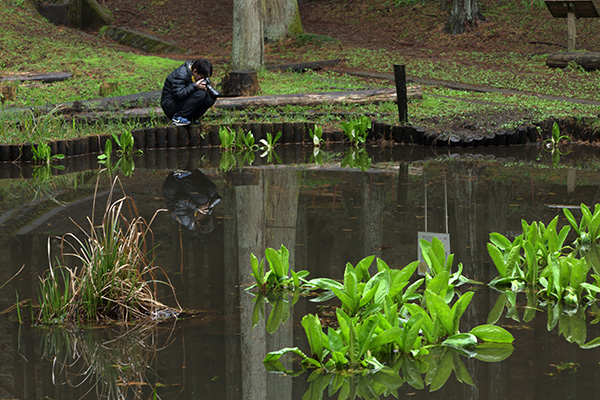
[(193, 106)]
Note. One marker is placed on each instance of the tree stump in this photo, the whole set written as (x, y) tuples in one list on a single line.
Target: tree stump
[(8, 93), (240, 83), (108, 88), (588, 61)]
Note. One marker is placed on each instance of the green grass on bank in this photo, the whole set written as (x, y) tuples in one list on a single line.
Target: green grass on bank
[(31, 44)]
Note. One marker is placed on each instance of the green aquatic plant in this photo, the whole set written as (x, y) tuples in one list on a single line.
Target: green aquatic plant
[(268, 144), (105, 157), (383, 318), (125, 143), (363, 294), (115, 279), (356, 130), (245, 141), (587, 230), (554, 275), (42, 153), (316, 134), (227, 137), (279, 276), (370, 342), (553, 143)]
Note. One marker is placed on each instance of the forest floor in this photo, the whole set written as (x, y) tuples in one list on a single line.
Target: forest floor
[(205, 26), (414, 31)]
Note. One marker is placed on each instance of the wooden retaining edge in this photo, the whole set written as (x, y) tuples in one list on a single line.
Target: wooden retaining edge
[(207, 135)]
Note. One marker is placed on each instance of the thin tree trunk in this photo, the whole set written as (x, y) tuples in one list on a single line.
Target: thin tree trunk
[(247, 47), (464, 16), (281, 19)]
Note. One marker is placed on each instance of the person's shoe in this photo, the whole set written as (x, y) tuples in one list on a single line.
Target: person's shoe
[(180, 121)]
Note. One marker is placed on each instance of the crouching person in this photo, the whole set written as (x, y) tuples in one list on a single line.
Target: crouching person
[(187, 93)]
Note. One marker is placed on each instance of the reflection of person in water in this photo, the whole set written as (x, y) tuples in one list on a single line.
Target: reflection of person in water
[(191, 197)]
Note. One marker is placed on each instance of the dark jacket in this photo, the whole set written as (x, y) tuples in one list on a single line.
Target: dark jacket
[(178, 86), (185, 193)]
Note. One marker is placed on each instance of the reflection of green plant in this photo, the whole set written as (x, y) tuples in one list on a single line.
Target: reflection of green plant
[(111, 362), (227, 161), (356, 130), (316, 156), (357, 158), (571, 321), (433, 370), (125, 152), (280, 308)]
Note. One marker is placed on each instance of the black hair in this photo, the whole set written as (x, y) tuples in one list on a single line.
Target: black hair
[(203, 66)]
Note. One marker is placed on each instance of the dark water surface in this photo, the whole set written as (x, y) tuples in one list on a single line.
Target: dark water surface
[(326, 216)]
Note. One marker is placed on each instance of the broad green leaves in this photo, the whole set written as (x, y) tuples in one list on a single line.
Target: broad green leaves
[(540, 259), (280, 276), (386, 322)]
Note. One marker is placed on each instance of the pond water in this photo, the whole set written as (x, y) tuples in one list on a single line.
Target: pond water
[(326, 216)]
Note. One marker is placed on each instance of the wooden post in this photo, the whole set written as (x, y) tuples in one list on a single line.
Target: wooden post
[(571, 26), (400, 76)]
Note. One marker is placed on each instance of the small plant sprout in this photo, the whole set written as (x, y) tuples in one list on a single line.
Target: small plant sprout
[(356, 130), (42, 153), (554, 141), (316, 135), (269, 144), (227, 137), (246, 141), (280, 276), (104, 158), (125, 143)]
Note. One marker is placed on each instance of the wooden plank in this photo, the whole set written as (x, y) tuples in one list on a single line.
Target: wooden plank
[(314, 99), (40, 77)]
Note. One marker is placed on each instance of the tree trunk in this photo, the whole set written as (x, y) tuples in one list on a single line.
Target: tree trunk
[(281, 19), (247, 47), (463, 17)]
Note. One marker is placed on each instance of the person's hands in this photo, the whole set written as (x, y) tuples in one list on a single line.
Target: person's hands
[(201, 84)]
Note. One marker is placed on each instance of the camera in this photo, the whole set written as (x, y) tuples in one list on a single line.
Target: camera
[(211, 90)]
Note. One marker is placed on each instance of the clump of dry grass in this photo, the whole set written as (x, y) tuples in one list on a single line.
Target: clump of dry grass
[(113, 280)]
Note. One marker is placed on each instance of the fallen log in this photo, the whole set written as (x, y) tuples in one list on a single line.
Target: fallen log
[(588, 61), (315, 99), (42, 77), (305, 66)]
